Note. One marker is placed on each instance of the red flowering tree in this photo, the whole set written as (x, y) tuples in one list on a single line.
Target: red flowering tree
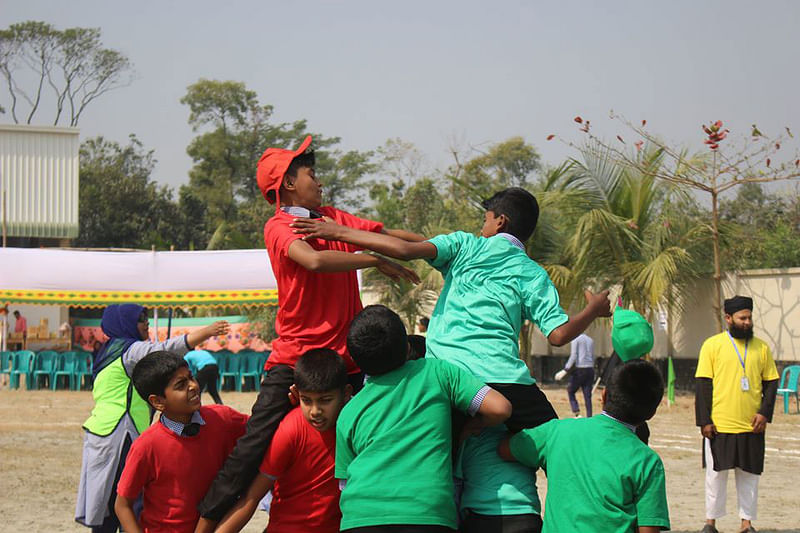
[(721, 166)]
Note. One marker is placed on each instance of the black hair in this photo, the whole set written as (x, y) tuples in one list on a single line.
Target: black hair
[(425, 321), (304, 160), (17, 313), (153, 372), (634, 391), (320, 370), (416, 347), (377, 340), (519, 207)]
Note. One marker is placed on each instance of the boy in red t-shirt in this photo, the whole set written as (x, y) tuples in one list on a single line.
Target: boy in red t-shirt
[(317, 299), (173, 462), (298, 465)]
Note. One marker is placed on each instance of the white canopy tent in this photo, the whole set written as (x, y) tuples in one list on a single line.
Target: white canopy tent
[(153, 279)]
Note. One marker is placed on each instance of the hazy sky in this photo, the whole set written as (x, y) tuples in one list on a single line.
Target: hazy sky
[(428, 71)]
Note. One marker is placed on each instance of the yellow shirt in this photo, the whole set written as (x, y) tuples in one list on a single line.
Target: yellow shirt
[(732, 409)]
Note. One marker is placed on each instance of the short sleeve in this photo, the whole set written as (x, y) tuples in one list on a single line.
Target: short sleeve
[(137, 472), (461, 386), (447, 248), (770, 371), (651, 500), (529, 446), (278, 236), (344, 450), (542, 304), (705, 362), (237, 423), (280, 455)]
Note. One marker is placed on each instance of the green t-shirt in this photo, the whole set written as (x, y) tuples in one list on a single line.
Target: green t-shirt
[(598, 473), (492, 486), (490, 287), (394, 446)]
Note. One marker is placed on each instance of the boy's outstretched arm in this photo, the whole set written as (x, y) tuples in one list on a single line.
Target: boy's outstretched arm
[(127, 518), (409, 236), (597, 305), (387, 244), (334, 261), (241, 513), (494, 410)]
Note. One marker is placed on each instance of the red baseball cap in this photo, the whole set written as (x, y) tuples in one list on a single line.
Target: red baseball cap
[(272, 167)]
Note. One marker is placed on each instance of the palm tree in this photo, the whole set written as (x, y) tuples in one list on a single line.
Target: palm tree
[(632, 232)]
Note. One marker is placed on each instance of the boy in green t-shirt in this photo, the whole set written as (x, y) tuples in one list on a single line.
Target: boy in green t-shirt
[(490, 287), (393, 439), (497, 496), (601, 477)]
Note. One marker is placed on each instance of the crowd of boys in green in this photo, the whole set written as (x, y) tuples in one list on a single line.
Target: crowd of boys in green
[(395, 438)]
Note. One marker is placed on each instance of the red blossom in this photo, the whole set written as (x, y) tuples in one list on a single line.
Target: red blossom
[(777, 146), (644, 123), (578, 119), (620, 139), (768, 161), (638, 145), (550, 137)]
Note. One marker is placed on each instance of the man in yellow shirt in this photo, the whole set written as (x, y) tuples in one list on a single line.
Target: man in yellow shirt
[(736, 383)]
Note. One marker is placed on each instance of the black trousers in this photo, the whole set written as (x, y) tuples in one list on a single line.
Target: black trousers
[(207, 379), (242, 464), (520, 523), (529, 406), (582, 378)]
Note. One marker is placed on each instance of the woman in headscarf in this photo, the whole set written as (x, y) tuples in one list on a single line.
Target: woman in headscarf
[(119, 413)]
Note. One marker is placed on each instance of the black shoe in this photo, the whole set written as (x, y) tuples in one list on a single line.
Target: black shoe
[(708, 528)]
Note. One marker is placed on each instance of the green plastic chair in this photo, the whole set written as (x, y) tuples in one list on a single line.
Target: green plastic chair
[(263, 363), (6, 359), (22, 365), (788, 386), (250, 369), (66, 364), (44, 365), (83, 371), (232, 370)]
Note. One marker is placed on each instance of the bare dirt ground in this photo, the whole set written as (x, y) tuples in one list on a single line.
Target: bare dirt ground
[(41, 440)]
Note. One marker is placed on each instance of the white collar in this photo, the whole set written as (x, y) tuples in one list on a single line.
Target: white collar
[(629, 426), (513, 240)]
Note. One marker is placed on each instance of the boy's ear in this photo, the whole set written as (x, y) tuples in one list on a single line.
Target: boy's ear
[(158, 402), (603, 397), (502, 223), (288, 182), (348, 392)]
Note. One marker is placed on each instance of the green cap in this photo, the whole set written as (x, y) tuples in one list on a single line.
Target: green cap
[(632, 335)]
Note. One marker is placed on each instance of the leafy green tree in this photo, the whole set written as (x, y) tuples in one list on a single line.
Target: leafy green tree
[(70, 65), (234, 130), (765, 229), (119, 205)]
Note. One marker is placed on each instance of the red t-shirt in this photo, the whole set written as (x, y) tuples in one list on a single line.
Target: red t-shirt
[(306, 495), (314, 308), (175, 472)]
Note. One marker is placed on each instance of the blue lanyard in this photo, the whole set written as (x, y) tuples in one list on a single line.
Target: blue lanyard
[(741, 361)]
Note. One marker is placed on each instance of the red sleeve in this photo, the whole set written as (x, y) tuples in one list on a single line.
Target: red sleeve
[(278, 236), (235, 423), (137, 472), (346, 219), (280, 455)]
